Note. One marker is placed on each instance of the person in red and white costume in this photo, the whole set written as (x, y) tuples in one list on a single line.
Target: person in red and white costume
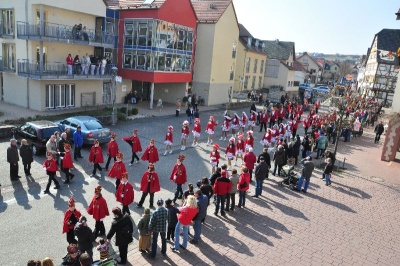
[(179, 177), (281, 114), (242, 122), (125, 194), (230, 151), (281, 131), (169, 140), (185, 134), (226, 125), (252, 120), (149, 184), (274, 135), (239, 147), (249, 143), (134, 142), (117, 169), (288, 131), (273, 117), (112, 150), (210, 129), (317, 105), (235, 124), (66, 163), (151, 153), (196, 132), (295, 125), (266, 139), (96, 157), (214, 157), (306, 124)]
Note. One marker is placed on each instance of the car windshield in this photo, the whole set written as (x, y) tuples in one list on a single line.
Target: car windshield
[(93, 125)]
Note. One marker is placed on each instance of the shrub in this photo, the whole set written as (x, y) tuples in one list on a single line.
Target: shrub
[(121, 116), (134, 111), (122, 110)]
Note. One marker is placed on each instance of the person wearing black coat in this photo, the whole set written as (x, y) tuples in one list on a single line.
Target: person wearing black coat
[(12, 159), (379, 130), (26, 154), (267, 158), (85, 237), (296, 149), (306, 147), (261, 172), (122, 239)]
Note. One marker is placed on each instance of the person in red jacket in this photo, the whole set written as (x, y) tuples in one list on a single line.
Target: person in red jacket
[(239, 147), (230, 151), (70, 62), (117, 169), (112, 149), (281, 114), (149, 184), (214, 157), (249, 159), (71, 217), (169, 140), (226, 125), (306, 124), (274, 117), (50, 166), (196, 131), (263, 120), (210, 129), (295, 125), (266, 139), (252, 120), (150, 153), (243, 186), (66, 162), (235, 124), (222, 186), (185, 217), (134, 142), (317, 105), (125, 193), (185, 134), (99, 210), (179, 177), (96, 157)]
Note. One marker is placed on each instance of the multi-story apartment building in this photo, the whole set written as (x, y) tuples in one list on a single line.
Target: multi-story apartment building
[(380, 76), (36, 38), (313, 67), (251, 61), (155, 46), (215, 54)]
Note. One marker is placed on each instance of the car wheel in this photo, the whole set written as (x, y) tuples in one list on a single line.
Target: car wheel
[(34, 150)]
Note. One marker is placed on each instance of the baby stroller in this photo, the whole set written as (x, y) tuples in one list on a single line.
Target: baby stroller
[(290, 175), (106, 262)]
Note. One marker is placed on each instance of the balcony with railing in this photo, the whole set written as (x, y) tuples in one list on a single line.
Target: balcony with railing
[(51, 32), (60, 71)]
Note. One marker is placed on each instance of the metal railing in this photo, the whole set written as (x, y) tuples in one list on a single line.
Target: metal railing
[(59, 70), (63, 33)]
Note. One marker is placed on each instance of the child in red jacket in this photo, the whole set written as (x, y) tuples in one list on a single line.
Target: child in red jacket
[(96, 157), (151, 153), (117, 169), (169, 140), (50, 166), (125, 193), (112, 149)]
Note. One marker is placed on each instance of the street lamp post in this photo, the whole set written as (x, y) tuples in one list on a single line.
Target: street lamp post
[(114, 71)]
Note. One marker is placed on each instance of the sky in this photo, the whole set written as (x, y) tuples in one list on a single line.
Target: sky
[(329, 27)]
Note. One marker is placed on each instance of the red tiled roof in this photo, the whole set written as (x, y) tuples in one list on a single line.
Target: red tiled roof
[(124, 4), (210, 10), (320, 62)]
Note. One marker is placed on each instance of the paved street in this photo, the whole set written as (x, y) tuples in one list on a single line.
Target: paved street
[(353, 222)]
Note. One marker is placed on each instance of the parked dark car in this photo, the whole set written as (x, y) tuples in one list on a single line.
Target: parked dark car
[(91, 128), (37, 133)]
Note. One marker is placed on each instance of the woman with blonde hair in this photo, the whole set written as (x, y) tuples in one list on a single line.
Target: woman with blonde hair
[(47, 262), (185, 217)]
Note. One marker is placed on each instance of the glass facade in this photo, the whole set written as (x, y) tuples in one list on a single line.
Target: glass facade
[(156, 45)]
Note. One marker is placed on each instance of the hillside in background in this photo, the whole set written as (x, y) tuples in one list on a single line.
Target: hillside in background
[(350, 59)]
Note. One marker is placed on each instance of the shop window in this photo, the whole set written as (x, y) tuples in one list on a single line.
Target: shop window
[(171, 36), (168, 62), (161, 62), (181, 39), (142, 34), (188, 63), (189, 45)]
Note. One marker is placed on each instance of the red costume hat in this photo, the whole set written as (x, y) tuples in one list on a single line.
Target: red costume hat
[(254, 112), (212, 117), (216, 145), (240, 136), (67, 147), (197, 120), (71, 202), (181, 157), (170, 127), (97, 189), (232, 139), (250, 133), (185, 123), (120, 155), (125, 175)]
